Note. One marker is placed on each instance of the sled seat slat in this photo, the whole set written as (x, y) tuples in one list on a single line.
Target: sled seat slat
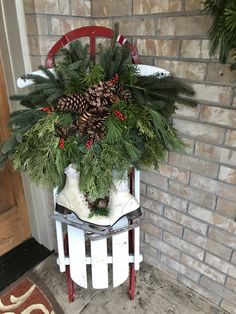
[(77, 253)]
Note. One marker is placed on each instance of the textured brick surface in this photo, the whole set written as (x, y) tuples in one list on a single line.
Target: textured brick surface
[(187, 272), (153, 178), (52, 6), (222, 236), (81, 7), (203, 268), (111, 8), (200, 131), (157, 47), (194, 164), (183, 26), (228, 306), (218, 289), (230, 138), (156, 6), (195, 195), (136, 26), (226, 208), (212, 218), (218, 115), (163, 223), (185, 220), (227, 174), (207, 244), (216, 153), (183, 245), (167, 198), (197, 49), (233, 260), (202, 291)]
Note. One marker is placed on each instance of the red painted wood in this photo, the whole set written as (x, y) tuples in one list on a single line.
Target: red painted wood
[(69, 281), (92, 32)]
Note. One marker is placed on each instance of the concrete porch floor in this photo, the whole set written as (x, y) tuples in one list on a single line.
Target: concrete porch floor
[(156, 293)]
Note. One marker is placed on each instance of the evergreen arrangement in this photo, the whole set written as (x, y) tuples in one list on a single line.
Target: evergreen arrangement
[(100, 115), (222, 34)]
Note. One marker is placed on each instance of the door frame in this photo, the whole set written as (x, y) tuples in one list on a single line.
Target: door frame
[(16, 61)]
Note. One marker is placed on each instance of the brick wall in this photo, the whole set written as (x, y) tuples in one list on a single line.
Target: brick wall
[(189, 229)]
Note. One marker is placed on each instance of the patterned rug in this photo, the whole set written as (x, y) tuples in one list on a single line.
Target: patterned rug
[(28, 295)]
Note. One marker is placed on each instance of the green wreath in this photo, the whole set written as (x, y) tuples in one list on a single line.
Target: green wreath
[(101, 116)]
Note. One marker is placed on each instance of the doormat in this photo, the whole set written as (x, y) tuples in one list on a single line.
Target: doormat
[(20, 260), (28, 295)]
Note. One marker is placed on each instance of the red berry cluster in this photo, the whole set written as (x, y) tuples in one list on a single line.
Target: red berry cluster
[(47, 109), (89, 143), (119, 115), (115, 78), (61, 143)]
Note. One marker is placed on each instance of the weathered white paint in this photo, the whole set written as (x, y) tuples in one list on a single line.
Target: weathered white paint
[(77, 253)]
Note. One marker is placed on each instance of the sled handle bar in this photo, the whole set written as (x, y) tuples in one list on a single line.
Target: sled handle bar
[(92, 32)]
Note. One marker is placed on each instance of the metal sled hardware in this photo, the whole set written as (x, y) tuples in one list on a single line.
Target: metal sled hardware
[(96, 233)]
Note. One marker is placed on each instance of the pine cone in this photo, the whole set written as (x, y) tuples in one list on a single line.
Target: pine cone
[(72, 103)]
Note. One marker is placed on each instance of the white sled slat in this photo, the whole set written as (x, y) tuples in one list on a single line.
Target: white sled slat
[(60, 246), (77, 253), (99, 264), (120, 260)]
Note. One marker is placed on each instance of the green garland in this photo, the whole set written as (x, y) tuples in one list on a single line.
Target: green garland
[(136, 130), (222, 33)]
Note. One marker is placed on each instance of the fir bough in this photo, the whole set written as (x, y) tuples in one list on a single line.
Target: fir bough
[(127, 117)]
